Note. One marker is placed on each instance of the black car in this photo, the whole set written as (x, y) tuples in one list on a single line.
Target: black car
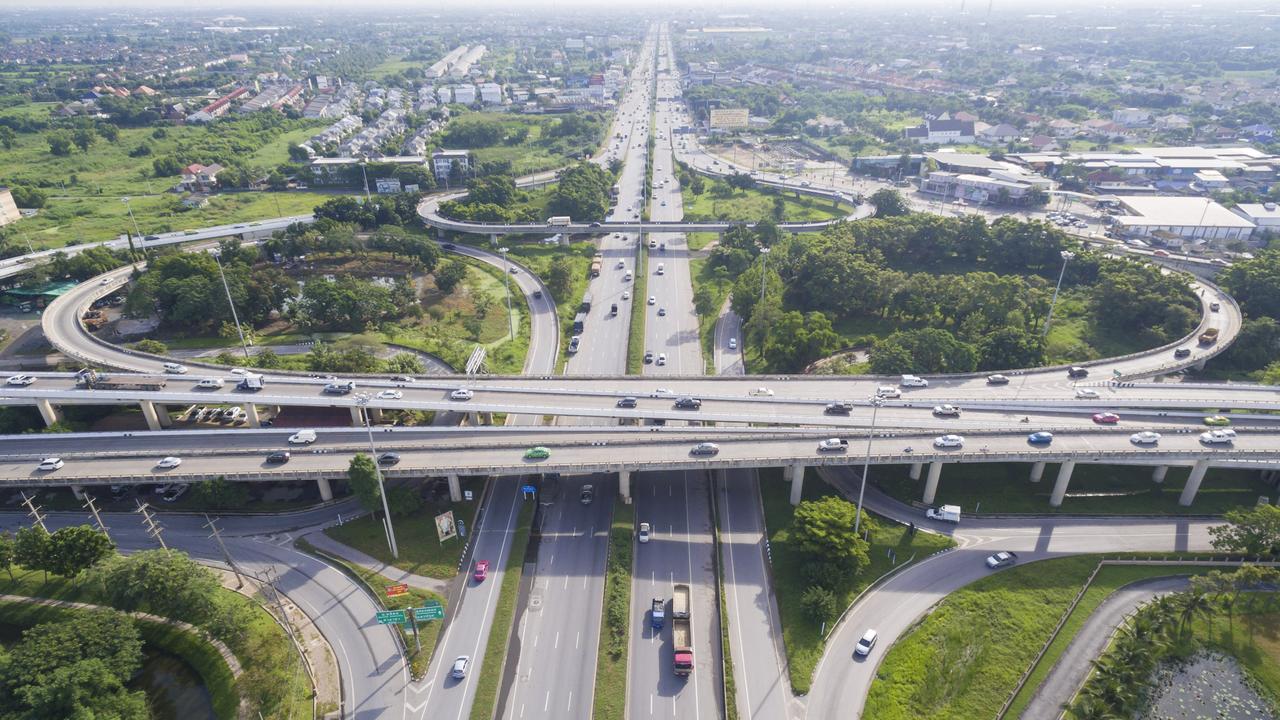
[(648, 357), (627, 402), (688, 403), (587, 495), (1075, 371), (595, 224), (388, 458), (537, 293), (278, 457), (1182, 352), (838, 408), (449, 246)]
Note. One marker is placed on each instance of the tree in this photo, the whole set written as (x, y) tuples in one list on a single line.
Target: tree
[(1253, 531), (162, 582), (73, 550), (7, 136), (819, 604), (166, 166), (824, 528), (362, 476), (560, 278), (1256, 346), (59, 143), (298, 154), (404, 363), (6, 552), (83, 139), (704, 300), (450, 275), (151, 345), (404, 500), (220, 494), (31, 549), (888, 203), (779, 210), (1010, 347)]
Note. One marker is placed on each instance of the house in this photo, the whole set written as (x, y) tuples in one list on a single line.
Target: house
[(444, 161), (1100, 128), (1043, 143), (942, 132), (1131, 117), (1173, 122), (1061, 128), (197, 177), (998, 134)]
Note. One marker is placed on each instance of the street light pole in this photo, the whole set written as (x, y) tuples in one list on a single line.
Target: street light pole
[(866, 465), (764, 267), (362, 401), (234, 316), (129, 207), (511, 320), (1066, 256)]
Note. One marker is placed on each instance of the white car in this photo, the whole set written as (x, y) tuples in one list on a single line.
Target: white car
[(865, 644), (1086, 394), (833, 445), (210, 383), (175, 368), (626, 294), (913, 381), (733, 343), (662, 358), (21, 380), (653, 299), (948, 441), (644, 532), (1146, 437), (888, 391), (390, 395), (302, 437), (461, 394), (946, 411), (761, 392), (1218, 437), (240, 371), (50, 463), (169, 462), (459, 669)]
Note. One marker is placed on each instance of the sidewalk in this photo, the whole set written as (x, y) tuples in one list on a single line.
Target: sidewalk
[(323, 542)]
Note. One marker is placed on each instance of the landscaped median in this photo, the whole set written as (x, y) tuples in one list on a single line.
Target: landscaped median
[(495, 651), (892, 545), (611, 655), (639, 298)]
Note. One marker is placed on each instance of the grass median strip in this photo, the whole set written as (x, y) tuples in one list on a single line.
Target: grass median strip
[(611, 655), (495, 650), (639, 298)]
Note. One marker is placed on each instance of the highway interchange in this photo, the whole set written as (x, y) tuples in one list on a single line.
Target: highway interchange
[(553, 674)]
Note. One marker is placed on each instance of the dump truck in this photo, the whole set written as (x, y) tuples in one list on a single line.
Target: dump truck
[(597, 262), (91, 379), (681, 631), (1209, 336), (658, 613)]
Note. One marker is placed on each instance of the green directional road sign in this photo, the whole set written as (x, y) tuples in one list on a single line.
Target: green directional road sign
[(433, 611), (392, 617)]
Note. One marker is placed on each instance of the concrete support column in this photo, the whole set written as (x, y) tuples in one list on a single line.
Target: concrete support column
[(624, 485), (375, 415), (162, 414), (472, 419), (1193, 482), (486, 418), (326, 492), (916, 469), (78, 491), (149, 412), (795, 475), (357, 420), (1037, 472), (1200, 365), (1060, 486), (931, 483), (48, 411), (251, 418), (1157, 475), (455, 488)]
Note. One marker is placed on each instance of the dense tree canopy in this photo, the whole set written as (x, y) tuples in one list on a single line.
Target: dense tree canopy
[(582, 192), (185, 291)]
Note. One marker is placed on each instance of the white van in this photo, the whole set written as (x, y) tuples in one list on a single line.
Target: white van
[(662, 269), (913, 381), (303, 437), (174, 368)]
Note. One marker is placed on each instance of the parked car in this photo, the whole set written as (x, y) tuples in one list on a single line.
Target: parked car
[(1040, 438), (1001, 559), (1146, 437), (948, 441), (481, 571), (1106, 418), (868, 641)]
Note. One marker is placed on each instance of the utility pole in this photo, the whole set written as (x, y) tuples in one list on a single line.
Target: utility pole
[(149, 522), (37, 517), (92, 507), (511, 318), (226, 555), (217, 258)]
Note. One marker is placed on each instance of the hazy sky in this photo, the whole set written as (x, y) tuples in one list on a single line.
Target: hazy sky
[(712, 5)]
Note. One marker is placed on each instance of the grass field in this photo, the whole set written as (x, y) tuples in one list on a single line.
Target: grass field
[(1094, 489), (802, 636), (421, 551), (756, 204), (538, 257), (495, 651), (611, 655)]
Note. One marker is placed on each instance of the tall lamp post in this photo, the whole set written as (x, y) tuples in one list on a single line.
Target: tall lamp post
[(362, 400), (876, 402), (511, 320), (1066, 257), (217, 258), (764, 267), (129, 207)]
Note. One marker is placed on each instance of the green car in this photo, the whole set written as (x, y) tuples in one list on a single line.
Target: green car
[(1217, 421), (537, 453)]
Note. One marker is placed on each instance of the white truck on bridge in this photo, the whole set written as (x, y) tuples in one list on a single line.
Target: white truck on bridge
[(559, 220)]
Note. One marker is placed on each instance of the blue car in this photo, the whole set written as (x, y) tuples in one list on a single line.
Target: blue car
[(1040, 438)]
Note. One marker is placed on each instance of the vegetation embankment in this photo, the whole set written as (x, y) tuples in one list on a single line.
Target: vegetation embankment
[(520, 144), (739, 198), (611, 655), (504, 615), (930, 294), (97, 651), (1255, 284), (639, 298), (1094, 490), (820, 565)]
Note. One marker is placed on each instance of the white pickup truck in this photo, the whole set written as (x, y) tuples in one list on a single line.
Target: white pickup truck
[(833, 445), (946, 513)]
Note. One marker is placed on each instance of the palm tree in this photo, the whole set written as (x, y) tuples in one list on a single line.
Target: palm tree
[(1191, 604)]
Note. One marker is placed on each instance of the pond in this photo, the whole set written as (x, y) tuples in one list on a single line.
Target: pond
[(1207, 685)]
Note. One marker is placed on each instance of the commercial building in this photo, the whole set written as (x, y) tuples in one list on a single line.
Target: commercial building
[(942, 132), (1264, 215), (8, 209), (1186, 222), (727, 118), (443, 162), (491, 93)]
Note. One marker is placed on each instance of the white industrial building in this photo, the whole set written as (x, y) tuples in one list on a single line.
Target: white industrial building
[(464, 94), (1188, 222), (1266, 216), (491, 93)]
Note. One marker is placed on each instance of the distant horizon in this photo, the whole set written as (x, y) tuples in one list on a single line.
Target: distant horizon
[(971, 6)]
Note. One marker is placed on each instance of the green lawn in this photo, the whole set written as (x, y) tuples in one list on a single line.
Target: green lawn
[(611, 655), (421, 551), (700, 240), (720, 284), (803, 637), (755, 204), (538, 257), (639, 296), (495, 651), (1094, 489)]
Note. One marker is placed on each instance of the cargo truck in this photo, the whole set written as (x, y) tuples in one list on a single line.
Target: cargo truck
[(559, 220), (597, 262), (658, 613), (681, 631), (93, 380), (1209, 336)]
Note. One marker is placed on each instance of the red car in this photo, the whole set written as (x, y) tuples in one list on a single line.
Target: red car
[(1106, 418), (482, 570)]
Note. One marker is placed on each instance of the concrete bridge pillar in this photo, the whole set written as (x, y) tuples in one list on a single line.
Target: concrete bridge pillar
[(795, 475), (162, 414), (1193, 482), (1060, 486), (931, 483), (916, 469), (493, 239), (1157, 475), (1200, 365), (624, 485), (149, 412), (455, 488), (1037, 472), (78, 491), (472, 419), (375, 415), (357, 419), (486, 418), (251, 418), (326, 491), (48, 411)]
